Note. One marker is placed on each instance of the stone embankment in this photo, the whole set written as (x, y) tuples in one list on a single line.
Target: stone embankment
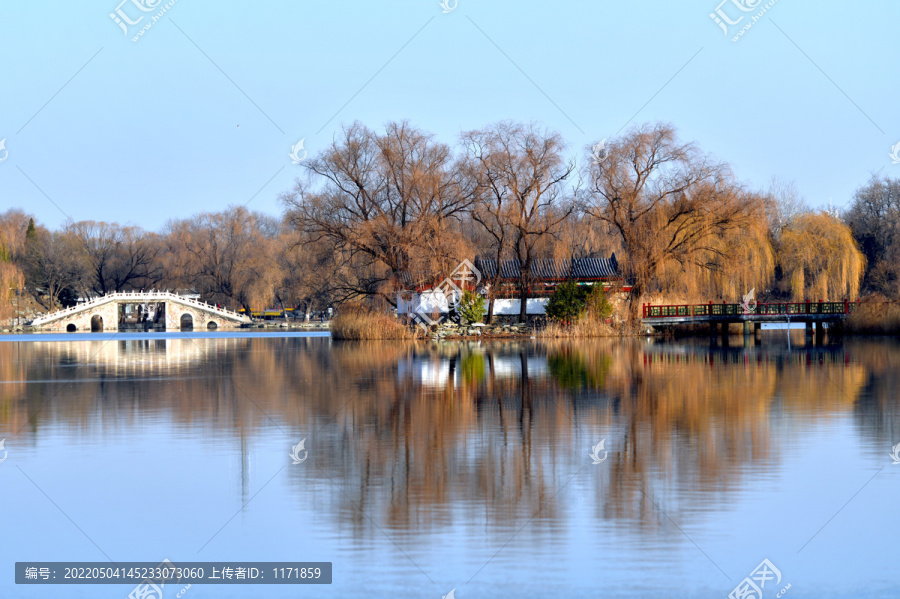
[(280, 324), (449, 330)]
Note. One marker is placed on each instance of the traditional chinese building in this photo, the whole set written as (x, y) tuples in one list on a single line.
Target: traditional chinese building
[(546, 274), (504, 282)]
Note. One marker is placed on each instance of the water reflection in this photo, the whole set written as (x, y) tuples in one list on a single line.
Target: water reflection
[(419, 439)]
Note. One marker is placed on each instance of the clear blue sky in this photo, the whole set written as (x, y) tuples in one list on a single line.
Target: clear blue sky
[(202, 111)]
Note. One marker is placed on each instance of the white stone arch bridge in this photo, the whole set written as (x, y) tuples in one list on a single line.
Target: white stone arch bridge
[(103, 313)]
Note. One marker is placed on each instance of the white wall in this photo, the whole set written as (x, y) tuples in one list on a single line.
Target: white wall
[(428, 302), (511, 306)]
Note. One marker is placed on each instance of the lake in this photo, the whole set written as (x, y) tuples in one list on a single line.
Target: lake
[(607, 468)]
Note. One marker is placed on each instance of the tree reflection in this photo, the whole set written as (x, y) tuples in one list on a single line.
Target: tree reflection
[(419, 436)]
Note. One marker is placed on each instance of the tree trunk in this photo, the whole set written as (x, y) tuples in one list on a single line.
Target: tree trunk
[(523, 301), (637, 292)]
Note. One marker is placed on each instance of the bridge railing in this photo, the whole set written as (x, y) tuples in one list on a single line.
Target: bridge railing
[(711, 310), (137, 295)]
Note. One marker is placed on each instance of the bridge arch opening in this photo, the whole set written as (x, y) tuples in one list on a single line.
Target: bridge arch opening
[(187, 322), (71, 328), (211, 325), (96, 323)]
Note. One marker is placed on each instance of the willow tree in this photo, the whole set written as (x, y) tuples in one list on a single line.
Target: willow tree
[(671, 205), (739, 259), (820, 258), (384, 203), (12, 244)]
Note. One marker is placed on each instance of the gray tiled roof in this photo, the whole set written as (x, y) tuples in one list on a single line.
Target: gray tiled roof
[(556, 270)]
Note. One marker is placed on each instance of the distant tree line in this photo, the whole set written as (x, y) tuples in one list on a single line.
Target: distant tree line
[(379, 211)]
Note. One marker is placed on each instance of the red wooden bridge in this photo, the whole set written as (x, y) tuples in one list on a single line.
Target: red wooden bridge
[(808, 312)]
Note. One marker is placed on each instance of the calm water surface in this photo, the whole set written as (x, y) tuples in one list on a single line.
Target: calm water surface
[(455, 466)]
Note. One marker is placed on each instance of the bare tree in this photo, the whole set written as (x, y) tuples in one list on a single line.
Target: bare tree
[(308, 270), (383, 203), (666, 201), (117, 257), (874, 219), (228, 256), (52, 264), (522, 196), (783, 205)]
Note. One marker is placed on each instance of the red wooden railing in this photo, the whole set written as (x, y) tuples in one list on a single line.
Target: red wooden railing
[(712, 310)]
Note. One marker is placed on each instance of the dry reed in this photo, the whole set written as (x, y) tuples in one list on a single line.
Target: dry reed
[(875, 315), (584, 327), (361, 323)]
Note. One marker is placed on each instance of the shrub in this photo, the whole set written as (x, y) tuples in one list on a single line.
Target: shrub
[(567, 302), (471, 306), (597, 304)]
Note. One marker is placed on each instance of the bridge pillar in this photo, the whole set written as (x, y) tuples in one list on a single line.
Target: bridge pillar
[(809, 332), (757, 330), (746, 328), (820, 332), (835, 330)]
